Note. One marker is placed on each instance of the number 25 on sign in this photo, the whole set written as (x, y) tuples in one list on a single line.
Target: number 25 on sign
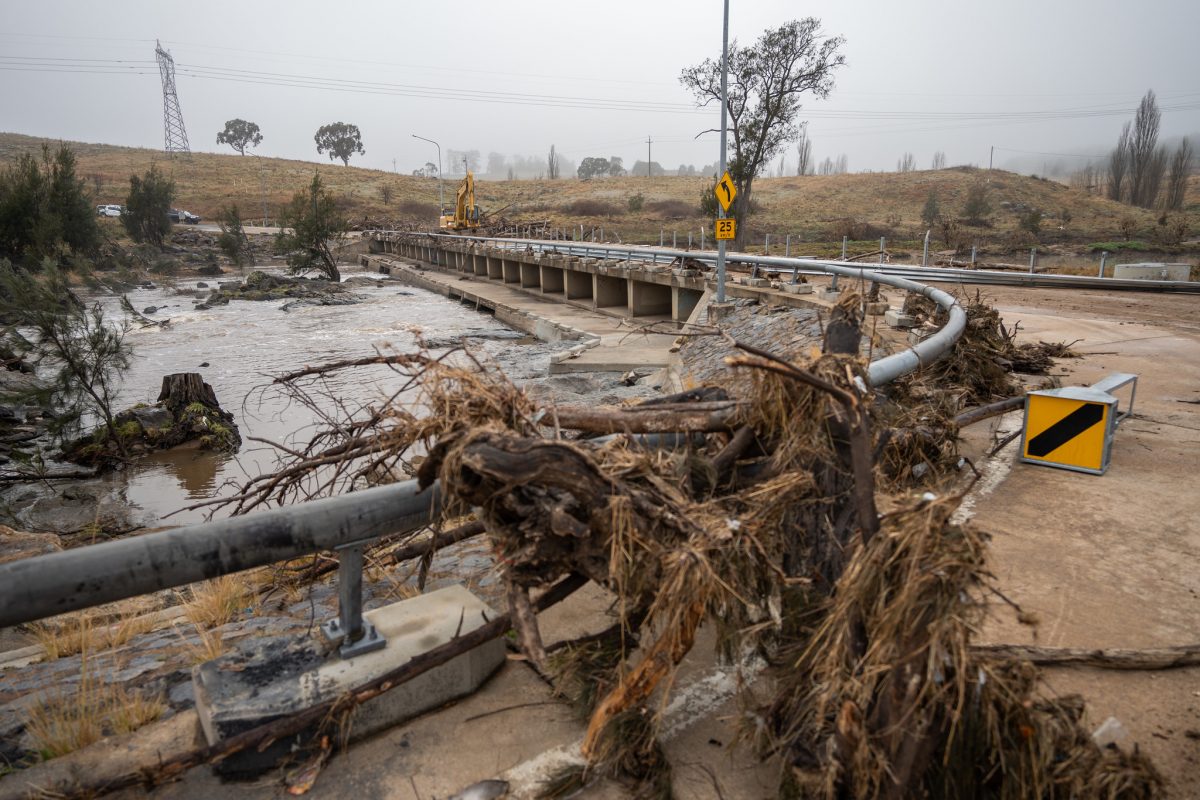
[(726, 228)]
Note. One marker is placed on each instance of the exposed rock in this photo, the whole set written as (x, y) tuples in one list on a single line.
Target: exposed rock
[(260, 285), (15, 545), (98, 505)]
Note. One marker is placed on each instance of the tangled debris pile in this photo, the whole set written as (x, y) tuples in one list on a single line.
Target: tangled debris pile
[(984, 359), (764, 524)]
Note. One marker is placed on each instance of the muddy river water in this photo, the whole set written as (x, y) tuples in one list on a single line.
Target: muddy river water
[(238, 348)]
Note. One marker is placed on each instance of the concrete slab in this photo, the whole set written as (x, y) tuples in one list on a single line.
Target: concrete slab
[(797, 288), (280, 677), (898, 319)]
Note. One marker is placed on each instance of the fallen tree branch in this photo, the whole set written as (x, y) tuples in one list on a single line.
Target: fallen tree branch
[(1151, 658), (262, 736), (974, 415), (693, 417)]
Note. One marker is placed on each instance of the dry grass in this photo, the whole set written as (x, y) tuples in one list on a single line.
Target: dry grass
[(76, 633), (63, 722), (807, 207), (214, 603), (212, 645)]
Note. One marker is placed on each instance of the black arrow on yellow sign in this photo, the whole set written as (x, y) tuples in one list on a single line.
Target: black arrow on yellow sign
[(1065, 429)]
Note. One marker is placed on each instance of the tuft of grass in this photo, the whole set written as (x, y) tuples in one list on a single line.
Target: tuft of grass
[(64, 722), (211, 604), (211, 646), (75, 633)]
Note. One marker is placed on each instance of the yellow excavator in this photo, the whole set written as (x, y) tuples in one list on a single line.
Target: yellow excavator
[(466, 214)]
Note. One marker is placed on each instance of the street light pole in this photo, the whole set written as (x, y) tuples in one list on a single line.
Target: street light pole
[(724, 125), (441, 198)]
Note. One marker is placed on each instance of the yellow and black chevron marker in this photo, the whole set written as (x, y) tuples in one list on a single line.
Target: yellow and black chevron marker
[(1073, 427)]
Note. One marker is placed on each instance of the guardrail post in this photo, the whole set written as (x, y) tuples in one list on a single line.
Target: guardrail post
[(787, 246), (973, 249), (767, 245), (356, 634), (1103, 258), (1032, 259)]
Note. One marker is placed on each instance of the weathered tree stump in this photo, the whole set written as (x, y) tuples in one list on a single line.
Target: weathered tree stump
[(181, 389)]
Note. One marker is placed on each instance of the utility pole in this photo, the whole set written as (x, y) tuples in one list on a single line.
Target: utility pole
[(724, 126), (648, 160), (991, 156)]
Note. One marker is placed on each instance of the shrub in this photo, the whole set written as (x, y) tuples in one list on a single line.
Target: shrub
[(856, 230), (233, 240), (1112, 247), (977, 207), (45, 210), (592, 208), (636, 201), (671, 209), (1127, 226), (1031, 221), (415, 208), (147, 207)]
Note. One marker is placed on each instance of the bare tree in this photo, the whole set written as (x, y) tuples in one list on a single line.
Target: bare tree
[(804, 165), (766, 83), (842, 166), (826, 167), (552, 164), (1181, 167), (939, 160), (906, 163), (1087, 179), (1146, 164), (1118, 167)]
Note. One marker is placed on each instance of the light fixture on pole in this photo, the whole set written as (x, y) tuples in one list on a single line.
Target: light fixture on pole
[(441, 197)]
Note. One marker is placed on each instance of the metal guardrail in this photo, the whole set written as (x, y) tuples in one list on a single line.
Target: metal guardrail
[(35, 588), (813, 266), (879, 372)]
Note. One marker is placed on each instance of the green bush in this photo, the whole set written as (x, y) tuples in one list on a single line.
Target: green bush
[(147, 208), (45, 210)]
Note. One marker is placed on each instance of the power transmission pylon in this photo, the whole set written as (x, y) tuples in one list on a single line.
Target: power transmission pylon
[(174, 134)]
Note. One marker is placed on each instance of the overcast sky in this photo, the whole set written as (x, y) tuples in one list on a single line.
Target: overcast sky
[(595, 79)]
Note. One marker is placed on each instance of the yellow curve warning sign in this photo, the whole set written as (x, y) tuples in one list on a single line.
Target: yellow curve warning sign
[(1066, 432)]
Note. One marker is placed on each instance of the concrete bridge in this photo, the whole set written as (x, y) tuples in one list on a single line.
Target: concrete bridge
[(639, 286)]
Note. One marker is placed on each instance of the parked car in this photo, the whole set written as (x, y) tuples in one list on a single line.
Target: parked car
[(178, 215), (108, 211)]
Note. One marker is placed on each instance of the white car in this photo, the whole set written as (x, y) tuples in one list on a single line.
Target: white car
[(108, 211)]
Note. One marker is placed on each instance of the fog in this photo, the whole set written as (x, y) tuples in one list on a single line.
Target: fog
[(1041, 83)]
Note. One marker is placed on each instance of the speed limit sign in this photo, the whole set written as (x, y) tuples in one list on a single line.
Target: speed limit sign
[(726, 228)]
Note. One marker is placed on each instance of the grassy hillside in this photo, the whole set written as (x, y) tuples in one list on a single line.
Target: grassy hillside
[(811, 209)]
